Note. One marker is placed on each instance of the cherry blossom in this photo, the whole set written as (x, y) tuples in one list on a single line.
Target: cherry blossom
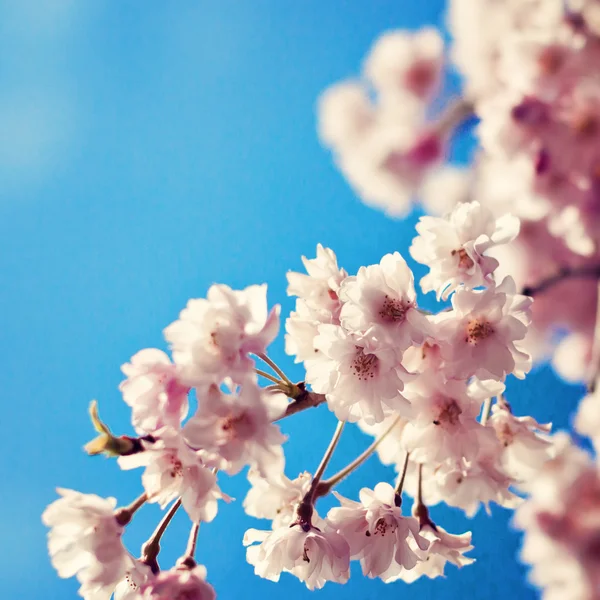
[(154, 392), (275, 499), (358, 375), (443, 548), (482, 333), (454, 248), (312, 555), (381, 302), (172, 469), (525, 446), (180, 583), (238, 428), (214, 335), (377, 532), (587, 420), (318, 302), (135, 578), (402, 63), (85, 541), (444, 425)]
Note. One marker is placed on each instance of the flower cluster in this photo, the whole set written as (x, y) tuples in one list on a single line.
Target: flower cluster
[(428, 386), (531, 72), (561, 517)]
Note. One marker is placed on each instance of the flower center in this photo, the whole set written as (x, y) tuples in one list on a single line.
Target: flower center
[(364, 365), (176, 468), (393, 310), (505, 435), (237, 426), (449, 414), (465, 262), (478, 330), (382, 525)]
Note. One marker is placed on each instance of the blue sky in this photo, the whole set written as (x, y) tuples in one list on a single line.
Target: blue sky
[(148, 150)]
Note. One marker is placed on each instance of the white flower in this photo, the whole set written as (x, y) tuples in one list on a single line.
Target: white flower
[(454, 247), (444, 423), (406, 63), (275, 499), (587, 419), (173, 470), (238, 428), (136, 576), (318, 302), (525, 447), (85, 541), (213, 336), (358, 375), (179, 584), (345, 115), (377, 532), (467, 484), (381, 300), (481, 334), (313, 556), (443, 548), (154, 392)]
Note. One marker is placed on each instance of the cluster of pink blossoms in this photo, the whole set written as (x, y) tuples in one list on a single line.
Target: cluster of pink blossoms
[(424, 384), (531, 76)]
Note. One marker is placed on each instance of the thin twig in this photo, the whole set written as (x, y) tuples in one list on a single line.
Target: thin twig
[(325, 487), (275, 368), (592, 271), (401, 479), (268, 376), (151, 548)]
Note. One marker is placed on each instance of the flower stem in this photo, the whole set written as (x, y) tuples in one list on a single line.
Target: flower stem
[(125, 514), (187, 561), (400, 485), (151, 548), (485, 411), (311, 494), (268, 376), (275, 368), (564, 273), (324, 487)]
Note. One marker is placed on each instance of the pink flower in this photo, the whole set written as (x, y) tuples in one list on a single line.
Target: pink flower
[(587, 419), (136, 576), (443, 548), (481, 334), (85, 541), (313, 556), (213, 336), (153, 391), (377, 532), (275, 499), (454, 247), (406, 63), (179, 584), (381, 301), (172, 470), (526, 446), (318, 302), (444, 423), (359, 375), (238, 428)]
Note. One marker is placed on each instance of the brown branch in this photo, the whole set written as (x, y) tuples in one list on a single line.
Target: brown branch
[(591, 271), (303, 401)]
